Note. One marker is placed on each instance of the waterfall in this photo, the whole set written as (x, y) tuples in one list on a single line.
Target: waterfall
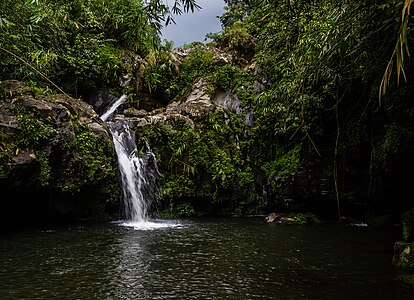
[(113, 108), (138, 172)]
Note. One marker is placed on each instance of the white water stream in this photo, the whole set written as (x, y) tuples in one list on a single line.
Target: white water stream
[(113, 107), (138, 171)]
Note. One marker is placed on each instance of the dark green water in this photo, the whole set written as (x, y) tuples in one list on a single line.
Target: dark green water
[(207, 259)]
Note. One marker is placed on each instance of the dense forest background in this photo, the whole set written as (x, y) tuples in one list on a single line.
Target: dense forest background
[(324, 92)]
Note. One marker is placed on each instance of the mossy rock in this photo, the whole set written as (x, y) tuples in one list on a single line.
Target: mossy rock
[(292, 219), (407, 278), (13, 88), (403, 256), (54, 145)]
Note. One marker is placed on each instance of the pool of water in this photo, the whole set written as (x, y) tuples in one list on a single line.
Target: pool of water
[(200, 259)]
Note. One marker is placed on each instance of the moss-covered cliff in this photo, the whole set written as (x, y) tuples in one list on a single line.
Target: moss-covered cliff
[(56, 158)]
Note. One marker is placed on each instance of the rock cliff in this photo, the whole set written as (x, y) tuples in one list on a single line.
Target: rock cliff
[(56, 159)]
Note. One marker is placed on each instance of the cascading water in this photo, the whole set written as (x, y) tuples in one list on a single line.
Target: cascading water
[(138, 172), (111, 109)]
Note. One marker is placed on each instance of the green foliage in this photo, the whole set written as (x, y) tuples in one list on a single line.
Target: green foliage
[(178, 186), (3, 165), (38, 89), (159, 69), (318, 59), (403, 258), (184, 210), (79, 44), (93, 61), (321, 65), (401, 48), (236, 11), (204, 166), (7, 149), (308, 71), (302, 219), (34, 132), (4, 159), (90, 160), (45, 174), (393, 137), (284, 166), (238, 41), (198, 64)]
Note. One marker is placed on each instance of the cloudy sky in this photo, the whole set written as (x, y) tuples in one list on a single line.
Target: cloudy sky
[(194, 26)]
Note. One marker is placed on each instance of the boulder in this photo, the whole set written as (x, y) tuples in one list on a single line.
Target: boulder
[(133, 112), (11, 89), (22, 158), (220, 58), (291, 218), (274, 217), (190, 109)]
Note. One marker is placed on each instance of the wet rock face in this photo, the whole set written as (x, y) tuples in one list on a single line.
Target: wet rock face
[(190, 109), (179, 55), (101, 100), (198, 103), (53, 145)]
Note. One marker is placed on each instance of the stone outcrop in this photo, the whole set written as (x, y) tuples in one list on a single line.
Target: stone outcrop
[(148, 109), (179, 55), (53, 149), (404, 256), (190, 109), (292, 218)]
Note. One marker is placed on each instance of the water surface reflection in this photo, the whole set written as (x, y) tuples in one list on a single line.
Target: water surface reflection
[(207, 259)]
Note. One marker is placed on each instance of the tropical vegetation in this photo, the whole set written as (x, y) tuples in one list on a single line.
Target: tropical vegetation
[(327, 87)]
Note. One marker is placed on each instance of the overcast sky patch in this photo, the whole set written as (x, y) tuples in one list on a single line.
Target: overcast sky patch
[(193, 27)]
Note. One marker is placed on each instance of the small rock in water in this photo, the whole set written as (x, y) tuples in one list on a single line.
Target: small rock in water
[(292, 218)]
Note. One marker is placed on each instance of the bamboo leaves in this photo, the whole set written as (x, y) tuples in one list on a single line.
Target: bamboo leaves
[(73, 41), (401, 49), (5, 23)]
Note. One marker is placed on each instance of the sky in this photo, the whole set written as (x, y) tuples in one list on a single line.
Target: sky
[(193, 27)]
